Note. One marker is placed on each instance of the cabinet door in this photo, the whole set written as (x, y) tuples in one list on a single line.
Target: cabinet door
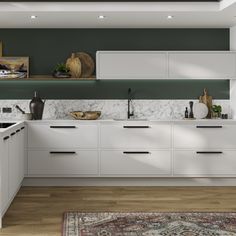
[(63, 162), (205, 65), (14, 163), (205, 162), (62, 136), (132, 162), (21, 137), (4, 173), (131, 65), (135, 135), (204, 136)]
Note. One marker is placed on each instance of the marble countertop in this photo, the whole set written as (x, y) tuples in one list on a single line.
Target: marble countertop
[(136, 120)]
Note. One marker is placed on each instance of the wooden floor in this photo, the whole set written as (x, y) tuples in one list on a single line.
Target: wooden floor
[(38, 210)]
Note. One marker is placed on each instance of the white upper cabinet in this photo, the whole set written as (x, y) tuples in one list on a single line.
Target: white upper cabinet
[(131, 65), (166, 65), (202, 65)]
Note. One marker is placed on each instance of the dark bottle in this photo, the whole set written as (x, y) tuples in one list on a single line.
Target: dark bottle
[(186, 113), (191, 110), (36, 107)]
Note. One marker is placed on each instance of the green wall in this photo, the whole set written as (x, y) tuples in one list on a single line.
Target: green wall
[(47, 47)]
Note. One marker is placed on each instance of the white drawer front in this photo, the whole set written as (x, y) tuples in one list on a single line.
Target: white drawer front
[(192, 164), (126, 164), (189, 136), (78, 163), (62, 136), (135, 136)]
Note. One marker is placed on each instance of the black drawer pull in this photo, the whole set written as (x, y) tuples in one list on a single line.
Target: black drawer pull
[(5, 138), (17, 131), (209, 126), (136, 127), (62, 127), (209, 152), (62, 152), (12, 133), (136, 152), (22, 128)]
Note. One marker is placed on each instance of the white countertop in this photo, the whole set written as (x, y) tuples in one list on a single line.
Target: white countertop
[(228, 121), (120, 120)]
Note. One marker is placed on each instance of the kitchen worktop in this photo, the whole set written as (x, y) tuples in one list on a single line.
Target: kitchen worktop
[(18, 122), (104, 121), (141, 120)]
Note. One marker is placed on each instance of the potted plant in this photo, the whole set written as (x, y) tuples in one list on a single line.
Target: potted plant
[(61, 71), (216, 111)]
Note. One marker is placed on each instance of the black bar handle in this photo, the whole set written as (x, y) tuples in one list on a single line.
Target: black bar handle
[(62, 127), (209, 126), (136, 152), (5, 138), (136, 127), (13, 133), (22, 128), (210, 152), (64, 152), (17, 131)]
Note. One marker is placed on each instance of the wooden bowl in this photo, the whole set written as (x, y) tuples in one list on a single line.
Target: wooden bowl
[(86, 115)]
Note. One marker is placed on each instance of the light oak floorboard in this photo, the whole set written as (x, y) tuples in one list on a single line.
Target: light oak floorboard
[(37, 211)]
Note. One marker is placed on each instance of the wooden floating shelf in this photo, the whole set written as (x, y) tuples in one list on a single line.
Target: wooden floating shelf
[(50, 78)]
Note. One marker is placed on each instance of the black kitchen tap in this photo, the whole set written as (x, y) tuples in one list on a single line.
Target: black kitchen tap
[(129, 113)]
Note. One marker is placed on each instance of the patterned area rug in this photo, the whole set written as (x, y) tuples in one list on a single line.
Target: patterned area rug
[(149, 224)]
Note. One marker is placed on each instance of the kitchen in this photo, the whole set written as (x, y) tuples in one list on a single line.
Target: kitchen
[(146, 135)]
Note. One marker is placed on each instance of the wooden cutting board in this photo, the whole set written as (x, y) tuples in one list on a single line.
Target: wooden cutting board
[(87, 64), (207, 100)]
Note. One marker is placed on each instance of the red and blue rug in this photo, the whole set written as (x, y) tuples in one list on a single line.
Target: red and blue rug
[(149, 224)]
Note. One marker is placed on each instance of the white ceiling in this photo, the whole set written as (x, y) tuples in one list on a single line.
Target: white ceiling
[(118, 15)]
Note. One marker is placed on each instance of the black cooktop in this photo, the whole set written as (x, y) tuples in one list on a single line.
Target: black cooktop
[(5, 125)]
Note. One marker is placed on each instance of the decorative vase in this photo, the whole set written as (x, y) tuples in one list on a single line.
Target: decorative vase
[(36, 107), (74, 65)]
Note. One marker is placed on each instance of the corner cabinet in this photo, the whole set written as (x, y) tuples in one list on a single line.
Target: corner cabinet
[(166, 65)]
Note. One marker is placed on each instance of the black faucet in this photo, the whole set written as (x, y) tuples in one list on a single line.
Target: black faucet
[(129, 114)]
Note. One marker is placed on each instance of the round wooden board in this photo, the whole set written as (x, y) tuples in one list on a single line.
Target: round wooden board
[(87, 64)]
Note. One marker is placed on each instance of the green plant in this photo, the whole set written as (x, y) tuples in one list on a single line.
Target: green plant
[(216, 108), (61, 67)]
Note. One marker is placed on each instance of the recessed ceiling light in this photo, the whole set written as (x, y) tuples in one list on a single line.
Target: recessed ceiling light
[(169, 17), (33, 17), (101, 17)]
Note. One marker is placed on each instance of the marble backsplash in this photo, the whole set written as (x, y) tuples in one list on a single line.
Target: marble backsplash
[(150, 109)]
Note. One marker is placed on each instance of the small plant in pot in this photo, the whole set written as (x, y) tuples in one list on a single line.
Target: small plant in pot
[(216, 111), (61, 71)]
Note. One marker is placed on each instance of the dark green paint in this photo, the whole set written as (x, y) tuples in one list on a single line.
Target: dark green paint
[(47, 47), (114, 89)]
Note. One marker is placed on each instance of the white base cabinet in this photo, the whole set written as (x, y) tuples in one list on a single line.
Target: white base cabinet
[(63, 149), (131, 149), (129, 163), (205, 163), (4, 194), (12, 165), (63, 162)]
